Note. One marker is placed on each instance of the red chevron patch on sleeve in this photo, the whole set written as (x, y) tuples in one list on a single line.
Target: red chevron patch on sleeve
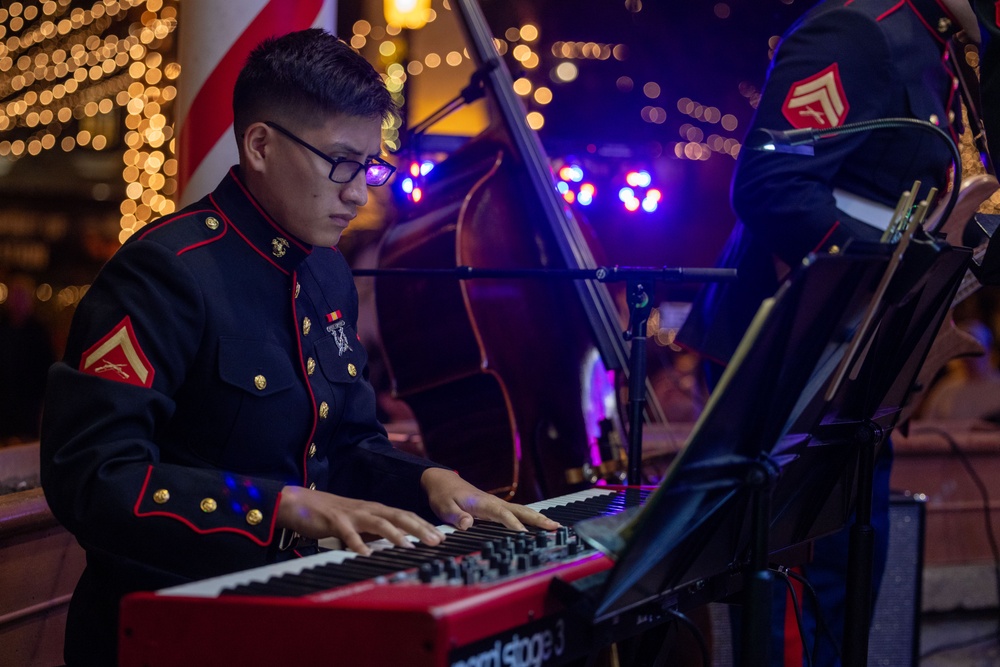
[(817, 102), (118, 357)]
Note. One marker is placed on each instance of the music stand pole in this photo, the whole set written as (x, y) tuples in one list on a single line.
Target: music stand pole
[(640, 305), (861, 555), (756, 617)]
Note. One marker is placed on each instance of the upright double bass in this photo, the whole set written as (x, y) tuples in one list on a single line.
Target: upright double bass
[(509, 380)]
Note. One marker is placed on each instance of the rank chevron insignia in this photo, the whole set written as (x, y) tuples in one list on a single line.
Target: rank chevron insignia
[(817, 102), (118, 357)]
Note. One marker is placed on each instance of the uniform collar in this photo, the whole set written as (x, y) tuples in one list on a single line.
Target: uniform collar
[(936, 18), (245, 215)]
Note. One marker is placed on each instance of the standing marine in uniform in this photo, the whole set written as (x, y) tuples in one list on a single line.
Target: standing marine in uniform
[(844, 61), (212, 411)]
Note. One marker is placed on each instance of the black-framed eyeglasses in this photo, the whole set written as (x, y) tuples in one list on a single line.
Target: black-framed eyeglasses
[(377, 171)]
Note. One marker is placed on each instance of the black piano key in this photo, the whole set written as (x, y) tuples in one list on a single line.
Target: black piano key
[(359, 570), (399, 558), (331, 577), (273, 587)]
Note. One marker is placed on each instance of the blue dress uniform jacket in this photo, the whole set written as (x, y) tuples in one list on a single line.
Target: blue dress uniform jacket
[(845, 61), (213, 361)]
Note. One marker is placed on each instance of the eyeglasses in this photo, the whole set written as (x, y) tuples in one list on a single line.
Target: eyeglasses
[(377, 171)]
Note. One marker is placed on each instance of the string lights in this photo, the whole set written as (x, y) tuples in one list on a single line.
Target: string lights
[(537, 87), (74, 72), (93, 76), (102, 76)]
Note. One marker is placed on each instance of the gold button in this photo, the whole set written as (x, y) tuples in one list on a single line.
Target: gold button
[(352, 370), (254, 517), (934, 118), (312, 487), (944, 24), (208, 505), (279, 247), (306, 326), (310, 365), (324, 410), (835, 250), (260, 382), (212, 223), (298, 288), (312, 450), (161, 496), (951, 116)]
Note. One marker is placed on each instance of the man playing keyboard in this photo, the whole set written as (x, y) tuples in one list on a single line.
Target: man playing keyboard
[(212, 411)]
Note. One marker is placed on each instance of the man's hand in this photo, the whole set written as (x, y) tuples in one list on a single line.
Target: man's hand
[(457, 502), (318, 514)]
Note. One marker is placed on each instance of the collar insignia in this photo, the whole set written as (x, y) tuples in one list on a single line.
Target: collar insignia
[(279, 247)]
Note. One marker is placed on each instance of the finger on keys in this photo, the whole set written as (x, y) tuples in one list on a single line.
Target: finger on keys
[(509, 519), (534, 518), (352, 540), (422, 530), (385, 528)]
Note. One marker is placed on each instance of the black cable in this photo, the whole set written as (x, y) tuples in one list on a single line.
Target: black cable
[(783, 572), (821, 624), (695, 632), (991, 538)]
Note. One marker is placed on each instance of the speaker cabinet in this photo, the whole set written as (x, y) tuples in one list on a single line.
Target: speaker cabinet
[(895, 632)]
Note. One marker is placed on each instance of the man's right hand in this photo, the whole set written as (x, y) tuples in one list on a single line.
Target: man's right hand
[(317, 514)]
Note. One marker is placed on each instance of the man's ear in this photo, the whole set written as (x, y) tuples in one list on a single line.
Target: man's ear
[(255, 146)]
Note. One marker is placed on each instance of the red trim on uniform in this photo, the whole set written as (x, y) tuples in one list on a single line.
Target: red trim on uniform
[(793, 648), (826, 237), (248, 241), (890, 10), (166, 220), (201, 531), (305, 374), (205, 242), (271, 221), (212, 109), (927, 25)]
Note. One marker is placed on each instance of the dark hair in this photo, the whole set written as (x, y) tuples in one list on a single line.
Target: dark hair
[(305, 73)]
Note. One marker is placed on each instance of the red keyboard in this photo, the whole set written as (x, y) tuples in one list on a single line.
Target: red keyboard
[(482, 597)]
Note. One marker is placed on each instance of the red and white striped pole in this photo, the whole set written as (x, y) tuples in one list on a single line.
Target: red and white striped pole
[(215, 37)]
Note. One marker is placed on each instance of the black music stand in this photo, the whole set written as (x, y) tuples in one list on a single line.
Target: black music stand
[(712, 506), (829, 472), (829, 361)]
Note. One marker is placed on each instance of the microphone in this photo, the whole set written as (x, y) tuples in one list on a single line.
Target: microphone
[(801, 142)]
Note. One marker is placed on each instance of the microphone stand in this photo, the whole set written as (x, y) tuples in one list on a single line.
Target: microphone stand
[(640, 283)]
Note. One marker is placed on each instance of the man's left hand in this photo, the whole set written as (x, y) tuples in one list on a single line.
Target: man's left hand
[(457, 502)]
